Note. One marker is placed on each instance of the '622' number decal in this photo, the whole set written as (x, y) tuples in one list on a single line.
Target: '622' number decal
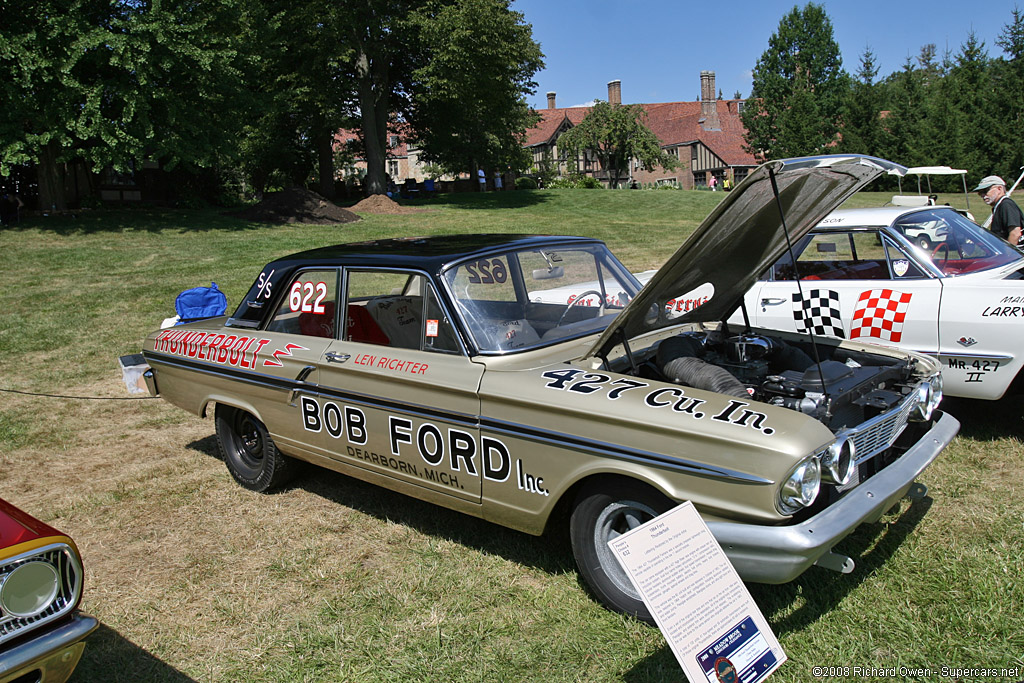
[(307, 297), (487, 272)]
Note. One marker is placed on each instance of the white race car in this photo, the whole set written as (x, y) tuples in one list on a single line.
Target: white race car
[(864, 274)]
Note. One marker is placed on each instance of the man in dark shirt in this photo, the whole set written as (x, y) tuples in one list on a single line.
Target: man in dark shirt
[(1006, 215)]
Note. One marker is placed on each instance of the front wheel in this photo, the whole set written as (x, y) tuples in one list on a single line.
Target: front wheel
[(605, 510), (249, 452)]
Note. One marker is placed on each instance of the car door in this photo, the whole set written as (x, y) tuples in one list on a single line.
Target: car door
[(397, 394), (290, 347), (854, 284)]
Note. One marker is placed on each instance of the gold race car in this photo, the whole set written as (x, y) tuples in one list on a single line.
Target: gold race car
[(439, 368)]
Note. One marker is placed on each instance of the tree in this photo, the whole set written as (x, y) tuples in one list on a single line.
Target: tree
[(469, 100), (615, 134), (115, 83), (383, 36), (1007, 79), (802, 67), (862, 130)]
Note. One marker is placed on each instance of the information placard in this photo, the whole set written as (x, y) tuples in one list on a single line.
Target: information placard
[(699, 602)]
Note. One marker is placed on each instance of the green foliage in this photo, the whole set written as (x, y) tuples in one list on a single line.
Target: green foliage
[(526, 183), (575, 181), (615, 134), (469, 98), (115, 83), (798, 88), (862, 130)]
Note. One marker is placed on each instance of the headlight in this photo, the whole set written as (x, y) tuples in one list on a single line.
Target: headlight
[(801, 487), (29, 589), (923, 403), (936, 381), (838, 462)]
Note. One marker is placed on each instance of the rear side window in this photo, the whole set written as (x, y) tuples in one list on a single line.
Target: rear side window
[(309, 307)]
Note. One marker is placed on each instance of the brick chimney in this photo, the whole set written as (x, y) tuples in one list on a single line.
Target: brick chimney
[(708, 102), (551, 100), (615, 92)]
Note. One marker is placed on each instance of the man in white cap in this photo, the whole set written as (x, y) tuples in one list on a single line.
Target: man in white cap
[(1006, 215)]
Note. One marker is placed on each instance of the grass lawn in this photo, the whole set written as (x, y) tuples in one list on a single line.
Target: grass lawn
[(331, 579)]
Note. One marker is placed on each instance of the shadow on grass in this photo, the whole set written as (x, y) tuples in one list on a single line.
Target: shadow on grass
[(550, 553), (162, 219), (514, 199), (987, 420), (135, 219), (109, 656)]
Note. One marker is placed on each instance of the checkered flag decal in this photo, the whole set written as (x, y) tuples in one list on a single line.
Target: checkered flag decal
[(818, 313), (880, 313)]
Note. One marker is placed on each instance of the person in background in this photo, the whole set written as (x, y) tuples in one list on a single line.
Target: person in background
[(727, 184), (482, 177), (713, 183), (1007, 219), (497, 181)]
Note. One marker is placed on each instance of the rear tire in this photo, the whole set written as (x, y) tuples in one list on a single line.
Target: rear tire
[(603, 511), (249, 452)]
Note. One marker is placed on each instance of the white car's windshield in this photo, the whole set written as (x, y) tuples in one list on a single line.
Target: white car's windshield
[(528, 298), (954, 244)]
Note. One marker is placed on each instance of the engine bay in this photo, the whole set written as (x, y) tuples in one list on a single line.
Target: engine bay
[(839, 387)]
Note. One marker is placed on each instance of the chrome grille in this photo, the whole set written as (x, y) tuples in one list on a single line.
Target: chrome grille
[(875, 435), (69, 570)]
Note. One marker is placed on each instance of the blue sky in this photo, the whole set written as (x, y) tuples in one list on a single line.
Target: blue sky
[(657, 48)]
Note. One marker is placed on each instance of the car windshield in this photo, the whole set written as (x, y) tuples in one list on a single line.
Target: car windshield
[(953, 243), (529, 298)]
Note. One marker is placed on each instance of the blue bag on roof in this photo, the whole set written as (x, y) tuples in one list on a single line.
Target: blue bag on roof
[(200, 302)]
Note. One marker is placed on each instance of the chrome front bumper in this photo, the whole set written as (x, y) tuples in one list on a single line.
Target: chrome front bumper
[(52, 653), (779, 554)]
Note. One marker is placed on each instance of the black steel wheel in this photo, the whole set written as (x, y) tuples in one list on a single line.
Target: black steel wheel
[(604, 510), (249, 452)]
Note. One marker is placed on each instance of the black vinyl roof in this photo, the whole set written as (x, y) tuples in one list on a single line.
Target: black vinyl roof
[(424, 253)]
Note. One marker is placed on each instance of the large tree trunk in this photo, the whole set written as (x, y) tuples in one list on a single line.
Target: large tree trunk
[(51, 179), (325, 158), (373, 99)]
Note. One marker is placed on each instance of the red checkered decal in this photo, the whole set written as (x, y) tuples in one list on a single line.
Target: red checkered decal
[(880, 313)]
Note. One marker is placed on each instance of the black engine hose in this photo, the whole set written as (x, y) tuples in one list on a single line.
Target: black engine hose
[(694, 372)]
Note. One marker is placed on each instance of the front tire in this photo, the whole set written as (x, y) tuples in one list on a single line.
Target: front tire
[(249, 452), (603, 511)]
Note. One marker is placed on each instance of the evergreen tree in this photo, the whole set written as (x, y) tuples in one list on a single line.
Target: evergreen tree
[(798, 87), (862, 130), (1007, 78)]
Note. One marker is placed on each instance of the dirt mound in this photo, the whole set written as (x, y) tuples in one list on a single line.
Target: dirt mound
[(296, 205), (380, 203)]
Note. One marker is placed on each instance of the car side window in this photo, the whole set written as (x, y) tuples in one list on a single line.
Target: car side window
[(396, 309), (309, 307), (838, 256)]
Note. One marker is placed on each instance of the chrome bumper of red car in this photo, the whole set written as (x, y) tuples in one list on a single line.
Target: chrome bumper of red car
[(51, 654)]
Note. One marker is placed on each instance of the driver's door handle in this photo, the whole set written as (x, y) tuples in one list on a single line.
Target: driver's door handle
[(772, 301), (333, 357)]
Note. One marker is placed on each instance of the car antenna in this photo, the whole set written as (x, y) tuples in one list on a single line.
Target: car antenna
[(799, 288)]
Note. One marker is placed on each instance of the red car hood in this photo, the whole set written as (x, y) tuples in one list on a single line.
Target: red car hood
[(18, 527)]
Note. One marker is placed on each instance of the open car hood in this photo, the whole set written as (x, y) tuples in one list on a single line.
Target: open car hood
[(705, 280)]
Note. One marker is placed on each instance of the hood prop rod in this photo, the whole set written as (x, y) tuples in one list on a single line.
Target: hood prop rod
[(800, 291)]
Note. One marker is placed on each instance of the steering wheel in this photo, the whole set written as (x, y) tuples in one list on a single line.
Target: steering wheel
[(568, 307), (935, 254)]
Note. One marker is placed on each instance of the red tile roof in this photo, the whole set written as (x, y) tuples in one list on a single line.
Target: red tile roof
[(673, 122)]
